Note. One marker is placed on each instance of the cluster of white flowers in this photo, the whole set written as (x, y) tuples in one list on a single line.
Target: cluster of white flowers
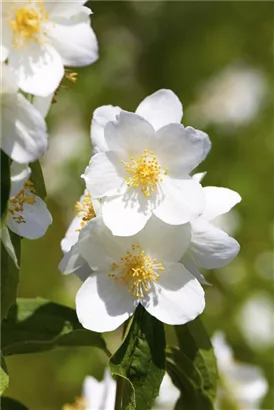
[(39, 38), (145, 226)]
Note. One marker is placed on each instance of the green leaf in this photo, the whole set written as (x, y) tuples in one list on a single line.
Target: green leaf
[(37, 179), (5, 183), (38, 325), (7, 242), (195, 343), (11, 404), (140, 360), (9, 274), (4, 376)]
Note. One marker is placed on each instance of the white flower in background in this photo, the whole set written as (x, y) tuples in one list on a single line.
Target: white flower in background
[(39, 37), (141, 269), (73, 262), (27, 214), (145, 166), (241, 383), (23, 133), (210, 247)]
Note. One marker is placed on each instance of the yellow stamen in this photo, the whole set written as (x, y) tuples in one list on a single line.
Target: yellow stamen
[(73, 77), (136, 270), (16, 204), (145, 172), (85, 210), (79, 404)]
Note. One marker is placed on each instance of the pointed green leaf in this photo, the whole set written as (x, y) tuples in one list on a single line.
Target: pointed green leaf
[(140, 360), (37, 179), (38, 325), (9, 274), (4, 376), (5, 183), (11, 404)]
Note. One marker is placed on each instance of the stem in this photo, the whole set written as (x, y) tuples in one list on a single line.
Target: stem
[(119, 393)]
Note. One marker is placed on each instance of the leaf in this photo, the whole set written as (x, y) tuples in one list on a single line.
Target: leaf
[(140, 360), (5, 183), (4, 376), (7, 242), (9, 274), (195, 343), (11, 404), (37, 179), (37, 325)]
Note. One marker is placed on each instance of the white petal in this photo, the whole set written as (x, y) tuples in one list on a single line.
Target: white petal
[(210, 247), (8, 80), (65, 9), (163, 241), (125, 217), (73, 262), (43, 104), (129, 135), (179, 297), (183, 200), (104, 175), (103, 304), (199, 176), (72, 234), (192, 268), (101, 117), (20, 173), (219, 201), (168, 394), (161, 108), (74, 40), (6, 40), (39, 69), (24, 136), (182, 148), (100, 395), (37, 220)]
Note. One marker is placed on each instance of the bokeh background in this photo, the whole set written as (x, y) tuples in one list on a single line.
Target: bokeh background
[(218, 58)]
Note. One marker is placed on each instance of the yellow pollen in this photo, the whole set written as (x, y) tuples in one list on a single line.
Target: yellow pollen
[(71, 76), (16, 204), (79, 404), (136, 270), (85, 210), (26, 23), (145, 172)]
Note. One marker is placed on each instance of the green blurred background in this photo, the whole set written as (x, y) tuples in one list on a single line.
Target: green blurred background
[(218, 58)]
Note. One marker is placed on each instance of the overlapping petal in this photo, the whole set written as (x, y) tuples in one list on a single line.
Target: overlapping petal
[(101, 117), (219, 201)]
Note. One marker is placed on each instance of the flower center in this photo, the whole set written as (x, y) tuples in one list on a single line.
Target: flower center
[(16, 204), (85, 210), (145, 172), (26, 23), (137, 270), (79, 404)]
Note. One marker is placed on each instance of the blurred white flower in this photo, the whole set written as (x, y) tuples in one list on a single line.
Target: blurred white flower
[(210, 247), (243, 384), (256, 321), (23, 134), (231, 98), (143, 269), (144, 163), (39, 37)]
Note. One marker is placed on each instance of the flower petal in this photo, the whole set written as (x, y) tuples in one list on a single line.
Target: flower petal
[(73, 262), (219, 201), (183, 200), (6, 40), (163, 241), (210, 247), (8, 80), (43, 104), (74, 40), (20, 173), (192, 268), (125, 217), (104, 175), (24, 135), (103, 304), (161, 108), (101, 117), (39, 69), (179, 297), (37, 220), (181, 148)]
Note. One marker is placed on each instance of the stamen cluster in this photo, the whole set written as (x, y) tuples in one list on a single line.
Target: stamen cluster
[(16, 204)]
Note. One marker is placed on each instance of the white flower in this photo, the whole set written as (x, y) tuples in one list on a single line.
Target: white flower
[(141, 269), (27, 215), (145, 166), (242, 383), (211, 247), (72, 261), (39, 37), (24, 134)]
